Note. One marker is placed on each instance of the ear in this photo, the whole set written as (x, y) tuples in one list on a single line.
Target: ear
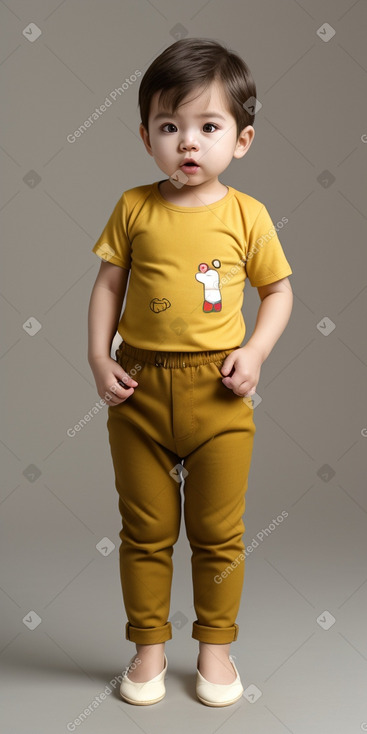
[(145, 138), (244, 141)]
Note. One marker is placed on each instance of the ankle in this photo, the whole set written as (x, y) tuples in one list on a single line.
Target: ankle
[(150, 650), (207, 650)]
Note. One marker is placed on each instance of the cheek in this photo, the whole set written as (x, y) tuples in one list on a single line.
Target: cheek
[(226, 154), (162, 145)]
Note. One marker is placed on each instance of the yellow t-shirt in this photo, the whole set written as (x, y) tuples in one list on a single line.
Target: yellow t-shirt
[(188, 267)]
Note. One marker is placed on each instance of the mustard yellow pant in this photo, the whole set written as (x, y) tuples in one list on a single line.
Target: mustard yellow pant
[(180, 422)]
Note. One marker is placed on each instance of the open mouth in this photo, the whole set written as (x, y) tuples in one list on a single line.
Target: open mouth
[(191, 163), (189, 167)]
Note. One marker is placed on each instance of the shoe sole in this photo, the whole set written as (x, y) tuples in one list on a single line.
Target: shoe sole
[(141, 703), (224, 703)]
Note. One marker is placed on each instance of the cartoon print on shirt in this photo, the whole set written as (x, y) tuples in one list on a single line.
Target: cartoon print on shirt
[(210, 280), (159, 304)]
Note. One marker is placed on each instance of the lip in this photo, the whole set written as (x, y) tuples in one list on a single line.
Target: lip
[(189, 160), (189, 170)]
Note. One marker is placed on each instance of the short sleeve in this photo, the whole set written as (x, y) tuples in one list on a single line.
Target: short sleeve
[(113, 245), (265, 260)]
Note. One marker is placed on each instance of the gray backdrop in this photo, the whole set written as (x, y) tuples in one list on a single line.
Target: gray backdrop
[(302, 648)]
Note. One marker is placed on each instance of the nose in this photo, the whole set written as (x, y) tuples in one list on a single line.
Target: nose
[(189, 143), (189, 146)]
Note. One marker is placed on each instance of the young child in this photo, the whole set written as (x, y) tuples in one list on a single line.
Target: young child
[(188, 242)]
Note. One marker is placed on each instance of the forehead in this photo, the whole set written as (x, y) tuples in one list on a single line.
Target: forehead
[(199, 100)]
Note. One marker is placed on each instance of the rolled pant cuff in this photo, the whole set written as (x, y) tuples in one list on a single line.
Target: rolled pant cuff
[(149, 635), (219, 635)]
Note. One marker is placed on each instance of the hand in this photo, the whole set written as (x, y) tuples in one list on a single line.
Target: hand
[(246, 363), (106, 373)]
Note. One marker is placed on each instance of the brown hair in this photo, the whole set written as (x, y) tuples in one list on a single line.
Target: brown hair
[(193, 63)]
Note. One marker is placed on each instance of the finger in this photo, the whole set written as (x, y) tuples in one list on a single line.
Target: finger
[(114, 400), (126, 387), (123, 382), (126, 378), (116, 393), (244, 386), (109, 399)]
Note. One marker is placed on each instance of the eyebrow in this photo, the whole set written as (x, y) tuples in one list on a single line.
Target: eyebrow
[(203, 114)]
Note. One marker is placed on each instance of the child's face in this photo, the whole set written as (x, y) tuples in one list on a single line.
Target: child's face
[(192, 132)]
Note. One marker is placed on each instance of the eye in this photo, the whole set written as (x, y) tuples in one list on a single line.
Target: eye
[(207, 124), (210, 124), (168, 124)]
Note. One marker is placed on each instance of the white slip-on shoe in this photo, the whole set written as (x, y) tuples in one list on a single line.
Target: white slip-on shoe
[(147, 692), (218, 694)]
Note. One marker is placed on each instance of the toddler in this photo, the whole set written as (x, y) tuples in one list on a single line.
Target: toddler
[(180, 410)]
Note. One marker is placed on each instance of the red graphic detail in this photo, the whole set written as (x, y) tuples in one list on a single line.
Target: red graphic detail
[(207, 306)]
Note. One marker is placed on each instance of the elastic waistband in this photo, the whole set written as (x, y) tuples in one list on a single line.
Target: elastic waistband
[(173, 359)]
